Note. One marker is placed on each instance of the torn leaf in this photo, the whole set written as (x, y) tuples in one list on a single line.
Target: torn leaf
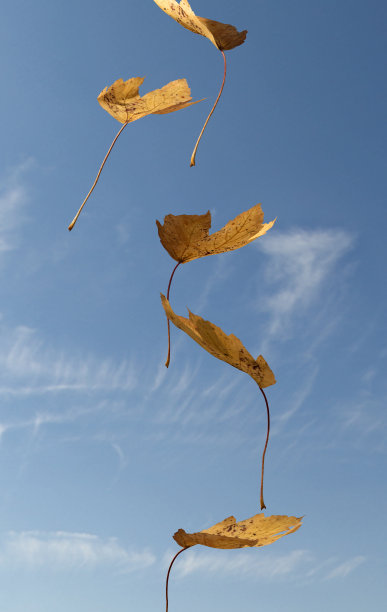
[(123, 101), (256, 531), (125, 104), (186, 237), (226, 348)]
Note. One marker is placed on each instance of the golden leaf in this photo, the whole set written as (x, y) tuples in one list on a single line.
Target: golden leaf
[(222, 35), (186, 237), (256, 531), (227, 348), (125, 104)]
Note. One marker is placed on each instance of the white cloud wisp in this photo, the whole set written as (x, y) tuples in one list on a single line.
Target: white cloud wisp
[(13, 197), (29, 367), (62, 551), (299, 264), (299, 565)]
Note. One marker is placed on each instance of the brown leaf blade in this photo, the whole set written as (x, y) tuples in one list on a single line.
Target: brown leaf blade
[(256, 531), (187, 237), (123, 101), (224, 36), (181, 233), (226, 348)]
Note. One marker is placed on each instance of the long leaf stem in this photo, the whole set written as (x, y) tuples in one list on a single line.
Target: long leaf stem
[(97, 177), (211, 111), (266, 443), (169, 571), (168, 322)]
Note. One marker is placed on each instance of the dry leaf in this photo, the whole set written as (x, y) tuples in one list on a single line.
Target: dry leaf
[(125, 104), (227, 348), (256, 531), (186, 237), (222, 35)]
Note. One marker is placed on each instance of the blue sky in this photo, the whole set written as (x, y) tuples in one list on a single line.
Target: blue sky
[(104, 453)]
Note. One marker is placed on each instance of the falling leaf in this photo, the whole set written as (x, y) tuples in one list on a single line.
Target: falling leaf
[(123, 101), (256, 531), (222, 35), (227, 348), (125, 104), (186, 237)]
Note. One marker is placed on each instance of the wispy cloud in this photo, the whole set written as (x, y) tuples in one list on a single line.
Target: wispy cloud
[(56, 417), (13, 197), (190, 405), (299, 264), (346, 568), (244, 563), (34, 550), (364, 420), (28, 366), (303, 392), (299, 565)]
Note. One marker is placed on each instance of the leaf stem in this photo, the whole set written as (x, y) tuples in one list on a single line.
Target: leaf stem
[(97, 177), (169, 571), (266, 443), (193, 156), (168, 322)]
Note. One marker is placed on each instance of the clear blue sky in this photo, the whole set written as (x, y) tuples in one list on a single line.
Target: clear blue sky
[(104, 453)]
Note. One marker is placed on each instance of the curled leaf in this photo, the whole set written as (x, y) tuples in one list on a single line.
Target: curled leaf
[(186, 237), (227, 348), (258, 530), (222, 35), (123, 101)]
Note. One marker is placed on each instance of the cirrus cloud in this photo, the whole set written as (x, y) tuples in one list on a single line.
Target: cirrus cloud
[(60, 551)]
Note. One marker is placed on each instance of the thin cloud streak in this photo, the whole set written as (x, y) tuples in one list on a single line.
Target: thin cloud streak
[(29, 367), (61, 551), (245, 564), (297, 565), (13, 197), (346, 568), (364, 421), (303, 391), (300, 262), (60, 417)]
